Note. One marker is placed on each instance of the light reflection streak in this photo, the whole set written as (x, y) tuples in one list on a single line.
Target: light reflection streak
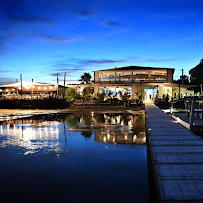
[(31, 138)]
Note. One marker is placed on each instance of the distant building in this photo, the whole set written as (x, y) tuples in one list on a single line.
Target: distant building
[(149, 81)]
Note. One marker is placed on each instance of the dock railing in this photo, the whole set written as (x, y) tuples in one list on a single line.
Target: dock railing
[(192, 105)]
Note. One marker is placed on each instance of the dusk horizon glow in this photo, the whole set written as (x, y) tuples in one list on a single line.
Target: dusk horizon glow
[(41, 38)]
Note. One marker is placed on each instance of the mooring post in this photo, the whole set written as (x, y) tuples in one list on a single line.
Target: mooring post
[(171, 110), (192, 114)]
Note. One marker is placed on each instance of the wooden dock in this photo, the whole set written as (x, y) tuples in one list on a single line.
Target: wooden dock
[(185, 120), (177, 156)]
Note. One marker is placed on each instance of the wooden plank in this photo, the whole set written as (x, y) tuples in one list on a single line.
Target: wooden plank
[(177, 156)]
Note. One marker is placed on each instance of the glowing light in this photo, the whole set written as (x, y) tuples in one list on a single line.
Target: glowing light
[(45, 88), (108, 136), (39, 88), (104, 139), (6, 90), (13, 89), (134, 138), (125, 137), (50, 87), (0, 90)]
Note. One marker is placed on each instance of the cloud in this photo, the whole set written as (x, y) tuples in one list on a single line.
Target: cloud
[(56, 74), (4, 81), (55, 39), (22, 11), (111, 23), (161, 60), (70, 65), (4, 71), (60, 40), (193, 38), (83, 12), (103, 61)]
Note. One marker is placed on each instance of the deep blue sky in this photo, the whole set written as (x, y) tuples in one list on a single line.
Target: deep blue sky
[(40, 38)]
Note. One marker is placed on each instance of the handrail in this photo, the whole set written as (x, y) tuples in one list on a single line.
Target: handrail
[(191, 108)]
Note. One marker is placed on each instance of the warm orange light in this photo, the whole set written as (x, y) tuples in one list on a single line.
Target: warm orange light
[(50, 87), (39, 88), (45, 88)]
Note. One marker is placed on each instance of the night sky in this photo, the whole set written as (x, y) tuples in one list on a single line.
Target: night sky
[(40, 38)]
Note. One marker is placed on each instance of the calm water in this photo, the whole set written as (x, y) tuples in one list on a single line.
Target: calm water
[(74, 158)]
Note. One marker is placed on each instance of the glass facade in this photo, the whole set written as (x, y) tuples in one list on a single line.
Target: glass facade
[(133, 76)]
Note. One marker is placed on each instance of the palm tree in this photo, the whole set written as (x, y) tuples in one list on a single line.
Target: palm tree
[(85, 78)]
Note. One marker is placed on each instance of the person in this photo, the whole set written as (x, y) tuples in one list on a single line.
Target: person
[(167, 98)]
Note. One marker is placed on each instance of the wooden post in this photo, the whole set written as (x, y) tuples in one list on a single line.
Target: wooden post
[(64, 84), (182, 76), (21, 85), (171, 110), (17, 88), (179, 91), (57, 86), (32, 88), (192, 114)]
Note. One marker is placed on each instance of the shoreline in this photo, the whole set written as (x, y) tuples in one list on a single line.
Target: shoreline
[(118, 109)]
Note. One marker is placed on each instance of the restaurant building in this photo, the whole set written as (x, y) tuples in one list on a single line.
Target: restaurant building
[(135, 80)]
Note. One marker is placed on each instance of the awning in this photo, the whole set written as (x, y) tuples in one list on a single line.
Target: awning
[(171, 85)]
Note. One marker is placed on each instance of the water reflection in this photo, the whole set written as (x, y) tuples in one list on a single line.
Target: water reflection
[(43, 132), (31, 134), (115, 128)]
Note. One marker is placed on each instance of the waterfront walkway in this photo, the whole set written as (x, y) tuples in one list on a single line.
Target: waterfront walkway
[(177, 156)]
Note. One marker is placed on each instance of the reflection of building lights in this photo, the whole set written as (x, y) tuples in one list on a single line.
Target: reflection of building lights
[(14, 128), (92, 113), (134, 138), (8, 128), (108, 136), (114, 139), (1, 130), (104, 139), (125, 137)]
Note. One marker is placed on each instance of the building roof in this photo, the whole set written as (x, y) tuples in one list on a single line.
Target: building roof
[(24, 83), (127, 68)]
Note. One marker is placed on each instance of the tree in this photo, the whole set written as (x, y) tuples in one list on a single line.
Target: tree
[(85, 78), (71, 94), (87, 92), (185, 80), (196, 74), (101, 96)]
